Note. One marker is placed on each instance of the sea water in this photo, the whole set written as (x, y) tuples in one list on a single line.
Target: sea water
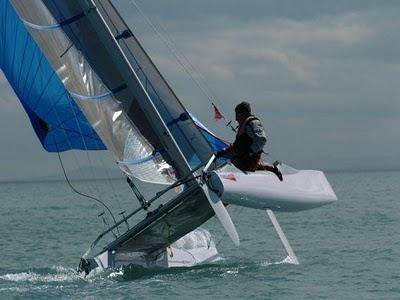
[(347, 250)]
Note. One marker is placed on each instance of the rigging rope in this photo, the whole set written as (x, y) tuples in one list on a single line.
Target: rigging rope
[(91, 168), (174, 50), (87, 155), (82, 194)]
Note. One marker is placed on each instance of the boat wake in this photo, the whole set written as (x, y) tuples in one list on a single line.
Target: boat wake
[(196, 239), (48, 275), (221, 269), (287, 260)]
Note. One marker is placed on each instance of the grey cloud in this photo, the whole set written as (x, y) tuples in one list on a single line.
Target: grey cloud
[(254, 9)]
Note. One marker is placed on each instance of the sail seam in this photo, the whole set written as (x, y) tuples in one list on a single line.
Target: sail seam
[(23, 60), (15, 43), (44, 89), (31, 83), (4, 31), (26, 73)]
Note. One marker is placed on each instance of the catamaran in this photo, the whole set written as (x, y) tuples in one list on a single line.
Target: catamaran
[(86, 83)]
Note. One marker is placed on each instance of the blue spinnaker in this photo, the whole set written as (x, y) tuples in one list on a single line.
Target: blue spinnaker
[(58, 122)]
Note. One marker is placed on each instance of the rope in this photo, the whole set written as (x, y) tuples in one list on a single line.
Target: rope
[(91, 165), (78, 192), (171, 47)]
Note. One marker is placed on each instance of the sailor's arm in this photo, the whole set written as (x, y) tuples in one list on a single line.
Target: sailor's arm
[(256, 132)]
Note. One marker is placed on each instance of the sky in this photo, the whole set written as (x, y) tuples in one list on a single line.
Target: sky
[(323, 76)]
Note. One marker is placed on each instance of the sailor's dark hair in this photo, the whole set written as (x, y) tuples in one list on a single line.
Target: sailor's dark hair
[(243, 107)]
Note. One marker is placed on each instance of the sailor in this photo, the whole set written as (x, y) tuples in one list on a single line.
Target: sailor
[(245, 152)]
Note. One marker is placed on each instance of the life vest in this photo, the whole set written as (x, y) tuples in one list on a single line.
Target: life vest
[(243, 142)]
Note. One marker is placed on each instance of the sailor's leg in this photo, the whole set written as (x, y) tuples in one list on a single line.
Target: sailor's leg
[(238, 163), (245, 163)]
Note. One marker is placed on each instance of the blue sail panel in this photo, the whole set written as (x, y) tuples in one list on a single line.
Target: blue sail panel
[(56, 119), (215, 142)]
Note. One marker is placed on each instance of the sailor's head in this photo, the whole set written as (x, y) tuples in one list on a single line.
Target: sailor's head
[(242, 110)]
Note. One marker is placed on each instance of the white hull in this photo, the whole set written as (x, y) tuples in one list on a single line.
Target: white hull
[(167, 258), (193, 249), (299, 190)]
